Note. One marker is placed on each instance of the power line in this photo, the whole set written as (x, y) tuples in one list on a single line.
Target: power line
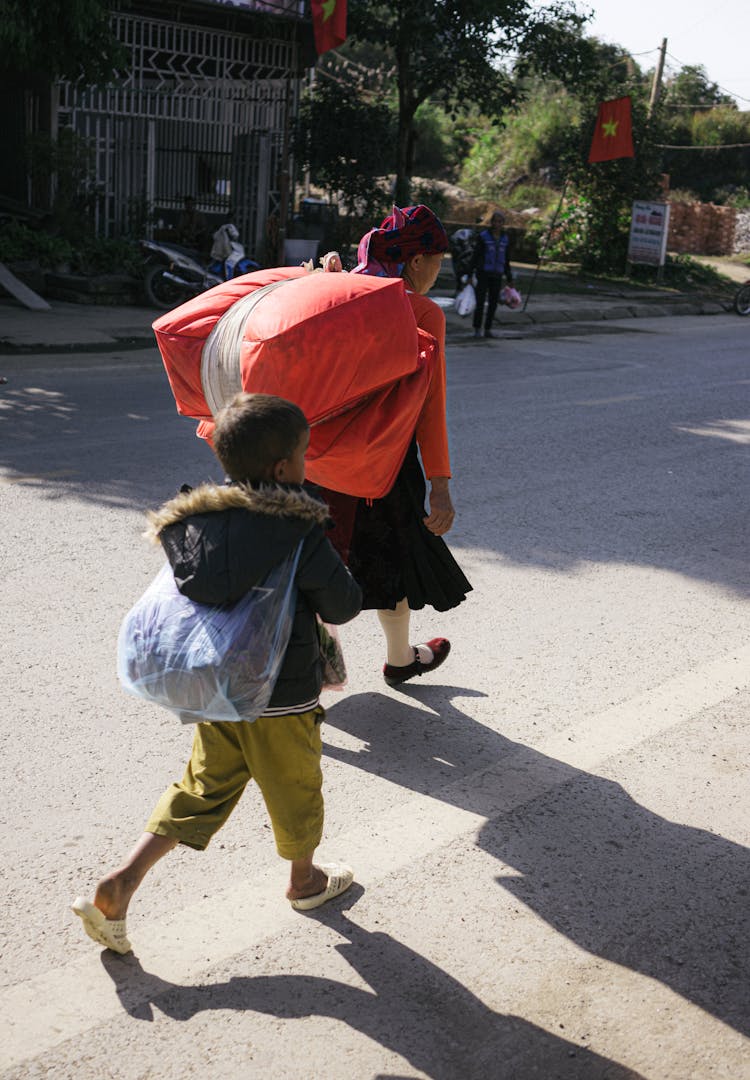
[(695, 106), (705, 146), (722, 88)]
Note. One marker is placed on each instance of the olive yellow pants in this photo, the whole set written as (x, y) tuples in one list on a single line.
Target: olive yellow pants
[(281, 753)]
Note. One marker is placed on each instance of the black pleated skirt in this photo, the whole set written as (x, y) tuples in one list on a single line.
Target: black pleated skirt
[(390, 551)]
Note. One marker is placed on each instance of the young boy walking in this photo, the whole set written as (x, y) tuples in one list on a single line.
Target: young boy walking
[(220, 542)]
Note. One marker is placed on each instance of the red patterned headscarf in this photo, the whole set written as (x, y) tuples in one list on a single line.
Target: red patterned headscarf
[(409, 231)]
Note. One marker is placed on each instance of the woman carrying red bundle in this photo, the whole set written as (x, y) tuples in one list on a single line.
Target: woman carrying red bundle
[(392, 546)]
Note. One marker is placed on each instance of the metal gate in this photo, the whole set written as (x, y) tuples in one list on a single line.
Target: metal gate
[(201, 113)]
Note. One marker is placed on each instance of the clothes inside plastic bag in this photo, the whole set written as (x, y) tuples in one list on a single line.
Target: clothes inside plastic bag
[(203, 662), (466, 301)]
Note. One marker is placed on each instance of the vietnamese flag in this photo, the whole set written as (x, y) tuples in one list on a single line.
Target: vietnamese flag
[(613, 134), (329, 24)]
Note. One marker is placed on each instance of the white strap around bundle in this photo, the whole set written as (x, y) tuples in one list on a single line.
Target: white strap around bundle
[(221, 376)]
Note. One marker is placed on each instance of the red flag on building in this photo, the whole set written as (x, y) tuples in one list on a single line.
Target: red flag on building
[(613, 134), (329, 24)]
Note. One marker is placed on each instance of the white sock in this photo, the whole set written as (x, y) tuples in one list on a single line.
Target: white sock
[(395, 625), (396, 629)]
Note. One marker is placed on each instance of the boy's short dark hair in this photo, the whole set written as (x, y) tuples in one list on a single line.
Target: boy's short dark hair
[(253, 432)]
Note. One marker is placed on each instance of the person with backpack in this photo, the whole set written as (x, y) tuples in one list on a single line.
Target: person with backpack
[(491, 262), (222, 541), (393, 545)]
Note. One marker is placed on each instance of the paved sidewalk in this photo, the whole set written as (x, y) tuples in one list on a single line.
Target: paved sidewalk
[(68, 327)]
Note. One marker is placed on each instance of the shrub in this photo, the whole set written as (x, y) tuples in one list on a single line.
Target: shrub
[(22, 243)]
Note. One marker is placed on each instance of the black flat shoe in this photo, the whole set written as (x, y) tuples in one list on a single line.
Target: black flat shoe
[(439, 647)]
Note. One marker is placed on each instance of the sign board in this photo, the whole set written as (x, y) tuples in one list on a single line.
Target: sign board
[(649, 226)]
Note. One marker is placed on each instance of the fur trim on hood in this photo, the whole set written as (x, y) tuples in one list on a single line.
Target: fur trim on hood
[(274, 500)]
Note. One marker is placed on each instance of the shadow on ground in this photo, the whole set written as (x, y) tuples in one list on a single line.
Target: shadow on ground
[(666, 900), (412, 1008)]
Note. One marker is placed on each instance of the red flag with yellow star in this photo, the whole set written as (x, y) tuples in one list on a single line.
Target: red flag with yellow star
[(613, 134), (329, 24)]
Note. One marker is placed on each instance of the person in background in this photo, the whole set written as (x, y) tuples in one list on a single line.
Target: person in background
[(192, 228), (491, 263), (462, 245)]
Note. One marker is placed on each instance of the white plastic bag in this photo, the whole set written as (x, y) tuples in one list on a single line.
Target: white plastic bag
[(466, 301), (203, 662)]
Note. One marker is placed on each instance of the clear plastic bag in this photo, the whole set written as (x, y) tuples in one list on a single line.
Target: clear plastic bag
[(331, 657), (203, 662)]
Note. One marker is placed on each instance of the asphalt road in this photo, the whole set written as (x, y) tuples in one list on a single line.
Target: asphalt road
[(549, 837)]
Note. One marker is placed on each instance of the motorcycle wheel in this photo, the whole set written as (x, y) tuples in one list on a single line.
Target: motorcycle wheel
[(160, 291), (742, 300)]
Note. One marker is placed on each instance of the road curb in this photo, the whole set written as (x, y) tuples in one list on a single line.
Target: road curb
[(586, 314), (10, 348)]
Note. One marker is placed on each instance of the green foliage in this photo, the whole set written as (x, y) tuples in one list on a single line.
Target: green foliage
[(691, 89), (69, 39), (595, 225), (592, 231), (529, 143), (22, 243), (687, 273), (707, 172), (526, 196), (99, 255), (86, 255), (683, 195), (431, 195), (451, 50), (738, 197), (441, 140), (345, 140), (66, 166), (720, 126)]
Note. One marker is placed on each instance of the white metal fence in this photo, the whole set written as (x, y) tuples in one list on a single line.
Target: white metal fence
[(201, 113)]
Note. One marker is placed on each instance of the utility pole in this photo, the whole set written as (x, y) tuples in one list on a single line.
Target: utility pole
[(656, 84)]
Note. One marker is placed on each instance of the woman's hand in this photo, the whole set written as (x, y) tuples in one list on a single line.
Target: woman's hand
[(441, 515)]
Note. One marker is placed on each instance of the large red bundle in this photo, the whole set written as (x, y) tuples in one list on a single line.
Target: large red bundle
[(344, 347)]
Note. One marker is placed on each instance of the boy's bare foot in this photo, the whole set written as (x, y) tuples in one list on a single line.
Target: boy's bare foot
[(113, 894), (314, 883), (335, 879)]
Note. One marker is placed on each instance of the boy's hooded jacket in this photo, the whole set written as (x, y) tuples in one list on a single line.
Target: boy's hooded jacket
[(223, 540)]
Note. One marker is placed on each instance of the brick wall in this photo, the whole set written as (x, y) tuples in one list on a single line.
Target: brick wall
[(701, 229)]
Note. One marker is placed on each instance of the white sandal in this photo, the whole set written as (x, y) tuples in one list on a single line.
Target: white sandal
[(339, 879), (110, 933)]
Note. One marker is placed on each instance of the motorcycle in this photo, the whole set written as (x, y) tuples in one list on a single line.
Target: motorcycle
[(742, 299), (175, 274)]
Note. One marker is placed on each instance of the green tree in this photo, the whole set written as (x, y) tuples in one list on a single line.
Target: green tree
[(452, 50), (719, 163), (344, 138), (691, 89), (697, 113), (595, 224), (50, 39)]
